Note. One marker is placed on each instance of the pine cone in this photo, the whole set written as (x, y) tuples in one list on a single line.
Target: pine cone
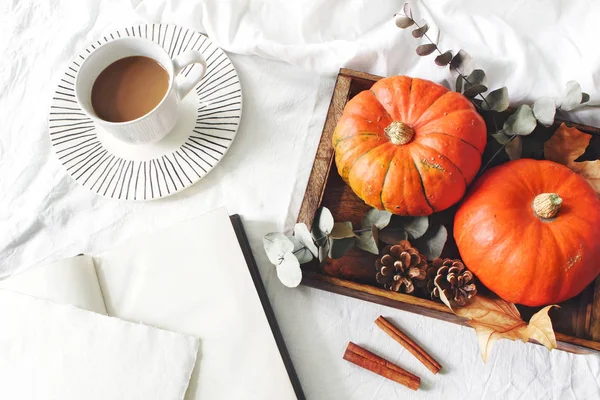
[(453, 278), (401, 267)]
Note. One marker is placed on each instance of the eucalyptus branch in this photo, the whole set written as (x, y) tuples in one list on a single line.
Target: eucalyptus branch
[(456, 68), (524, 119), (487, 164)]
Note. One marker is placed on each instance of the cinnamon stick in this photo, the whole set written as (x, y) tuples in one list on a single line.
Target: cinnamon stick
[(372, 362), (408, 344)]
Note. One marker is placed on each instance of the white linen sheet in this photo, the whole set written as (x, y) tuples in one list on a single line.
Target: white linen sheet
[(54, 351), (287, 54)]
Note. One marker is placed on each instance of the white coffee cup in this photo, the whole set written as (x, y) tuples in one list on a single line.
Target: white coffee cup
[(157, 123)]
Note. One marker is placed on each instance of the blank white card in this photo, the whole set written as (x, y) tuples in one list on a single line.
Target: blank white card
[(56, 351)]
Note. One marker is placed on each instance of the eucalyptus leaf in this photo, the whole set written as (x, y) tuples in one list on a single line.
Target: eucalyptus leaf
[(544, 110), (477, 77), (432, 243), (406, 9), (303, 235), (521, 122), (474, 90), (496, 100), (300, 251), (501, 137), (426, 49), (322, 225), (443, 59), (415, 226), (459, 83), (378, 218), (367, 241), (419, 32), (403, 22), (585, 97), (572, 97), (289, 272), (324, 252), (339, 247), (392, 236), (277, 245), (342, 230), (462, 62), (514, 148)]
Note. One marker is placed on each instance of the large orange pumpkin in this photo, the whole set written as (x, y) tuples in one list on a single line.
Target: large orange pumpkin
[(409, 146), (530, 231)]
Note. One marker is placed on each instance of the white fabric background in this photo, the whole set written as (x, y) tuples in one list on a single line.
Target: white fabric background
[(287, 54)]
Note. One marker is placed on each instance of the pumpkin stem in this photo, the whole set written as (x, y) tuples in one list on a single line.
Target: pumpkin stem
[(547, 205), (399, 132)]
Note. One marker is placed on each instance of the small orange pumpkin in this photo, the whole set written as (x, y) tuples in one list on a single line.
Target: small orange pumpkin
[(530, 231), (409, 146)]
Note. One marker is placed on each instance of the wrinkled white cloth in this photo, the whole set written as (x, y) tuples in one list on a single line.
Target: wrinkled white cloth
[(287, 54)]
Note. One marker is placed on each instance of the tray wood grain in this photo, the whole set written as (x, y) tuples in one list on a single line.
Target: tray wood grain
[(576, 323)]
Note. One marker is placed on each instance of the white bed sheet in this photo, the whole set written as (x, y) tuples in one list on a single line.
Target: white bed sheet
[(287, 54)]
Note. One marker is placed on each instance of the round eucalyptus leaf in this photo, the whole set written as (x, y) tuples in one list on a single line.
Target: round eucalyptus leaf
[(443, 59), (300, 251), (426, 49), (544, 110), (322, 225), (342, 230), (496, 100), (501, 137), (324, 252), (392, 236), (407, 9), (419, 32), (585, 97), (514, 148), (289, 272), (462, 62), (474, 90), (432, 243), (367, 241), (521, 122), (572, 97), (477, 77), (277, 245), (303, 235), (459, 83), (416, 226), (375, 217), (339, 247), (403, 22)]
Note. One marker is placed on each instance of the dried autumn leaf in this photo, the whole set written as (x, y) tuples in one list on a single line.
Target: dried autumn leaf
[(565, 146), (495, 319)]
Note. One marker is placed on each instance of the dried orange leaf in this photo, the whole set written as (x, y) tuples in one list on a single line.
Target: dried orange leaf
[(495, 319), (565, 146)]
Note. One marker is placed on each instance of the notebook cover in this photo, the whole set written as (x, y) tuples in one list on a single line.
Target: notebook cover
[(238, 227)]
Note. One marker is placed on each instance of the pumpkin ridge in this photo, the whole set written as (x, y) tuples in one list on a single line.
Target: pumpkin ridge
[(383, 181), (364, 154), (419, 122), (422, 185), (452, 136), (353, 136), (417, 119), (448, 159), (382, 105)]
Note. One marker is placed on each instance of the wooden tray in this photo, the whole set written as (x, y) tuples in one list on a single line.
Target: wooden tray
[(577, 322)]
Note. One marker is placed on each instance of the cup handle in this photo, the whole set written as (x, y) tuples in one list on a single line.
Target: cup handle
[(183, 84)]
